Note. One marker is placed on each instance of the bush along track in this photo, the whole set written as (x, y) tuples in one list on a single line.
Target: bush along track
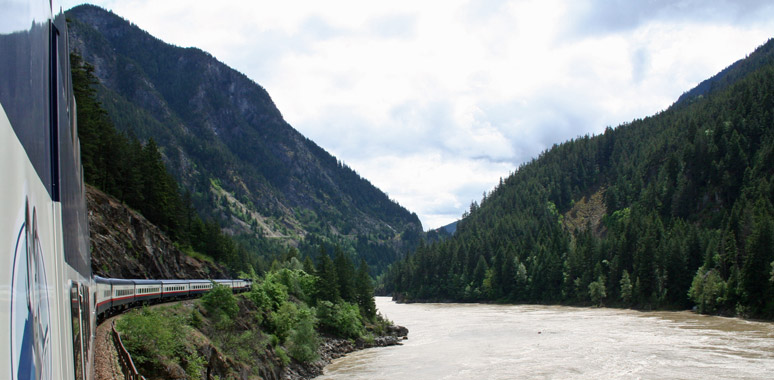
[(287, 327)]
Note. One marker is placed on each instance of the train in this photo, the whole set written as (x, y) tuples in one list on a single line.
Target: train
[(114, 296), (50, 301)]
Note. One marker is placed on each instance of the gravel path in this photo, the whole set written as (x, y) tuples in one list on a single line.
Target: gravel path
[(106, 366)]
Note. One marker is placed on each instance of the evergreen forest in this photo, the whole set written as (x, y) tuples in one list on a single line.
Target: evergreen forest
[(673, 211)]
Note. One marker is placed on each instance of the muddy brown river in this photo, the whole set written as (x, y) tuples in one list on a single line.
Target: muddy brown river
[(473, 341)]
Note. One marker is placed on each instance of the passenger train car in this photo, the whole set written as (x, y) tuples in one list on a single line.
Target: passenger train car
[(49, 301), (46, 318), (116, 295)]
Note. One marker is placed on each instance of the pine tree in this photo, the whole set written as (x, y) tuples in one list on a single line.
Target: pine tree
[(364, 292), (345, 273), (327, 285), (757, 267)]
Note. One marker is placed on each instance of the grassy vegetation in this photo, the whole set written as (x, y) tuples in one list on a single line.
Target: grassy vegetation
[(281, 320), (158, 338)]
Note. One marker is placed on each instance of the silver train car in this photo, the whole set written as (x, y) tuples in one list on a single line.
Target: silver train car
[(49, 300), (114, 295), (46, 317)]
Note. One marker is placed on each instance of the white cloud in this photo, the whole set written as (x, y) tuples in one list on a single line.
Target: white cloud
[(434, 101)]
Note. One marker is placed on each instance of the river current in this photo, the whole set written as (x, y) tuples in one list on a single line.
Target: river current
[(476, 341)]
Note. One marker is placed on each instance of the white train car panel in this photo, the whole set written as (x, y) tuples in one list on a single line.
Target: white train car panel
[(104, 292), (123, 293), (147, 291), (199, 287), (45, 274), (175, 289)]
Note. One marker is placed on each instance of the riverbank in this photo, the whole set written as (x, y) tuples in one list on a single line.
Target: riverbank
[(332, 348)]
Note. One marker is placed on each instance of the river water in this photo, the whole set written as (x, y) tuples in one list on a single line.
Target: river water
[(474, 341)]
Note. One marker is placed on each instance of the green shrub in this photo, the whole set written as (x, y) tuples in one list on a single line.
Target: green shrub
[(297, 282), (303, 341), (283, 320), (195, 319), (220, 300), (269, 294), (195, 366), (707, 290), (597, 291), (282, 355), (379, 325), (150, 336), (340, 318)]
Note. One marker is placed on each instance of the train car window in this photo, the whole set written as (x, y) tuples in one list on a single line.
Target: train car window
[(75, 306), (85, 320), (54, 86)]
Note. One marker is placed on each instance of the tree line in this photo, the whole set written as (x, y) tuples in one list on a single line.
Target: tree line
[(687, 215)]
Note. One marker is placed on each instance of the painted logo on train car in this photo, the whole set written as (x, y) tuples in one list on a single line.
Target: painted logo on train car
[(30, 311)]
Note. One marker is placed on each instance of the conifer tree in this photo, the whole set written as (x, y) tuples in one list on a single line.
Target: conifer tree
[(327, 286), (364, 292), (345, 273)]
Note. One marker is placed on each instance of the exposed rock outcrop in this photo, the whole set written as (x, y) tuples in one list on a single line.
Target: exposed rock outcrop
[(126, 245)]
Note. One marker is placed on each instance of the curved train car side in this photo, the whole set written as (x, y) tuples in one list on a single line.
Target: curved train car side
[(49, 300), (115, 295), (46, 315)]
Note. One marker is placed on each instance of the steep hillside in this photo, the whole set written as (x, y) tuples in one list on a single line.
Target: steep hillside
[(224, 139), (125, 245), (673, 210)]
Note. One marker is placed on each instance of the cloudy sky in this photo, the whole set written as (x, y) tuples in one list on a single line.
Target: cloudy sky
[(435, 101)]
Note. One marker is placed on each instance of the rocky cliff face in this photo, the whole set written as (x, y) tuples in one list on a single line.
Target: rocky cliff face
[(125, 245)]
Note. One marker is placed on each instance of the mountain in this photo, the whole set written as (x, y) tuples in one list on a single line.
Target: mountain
[(225, 141), (451, 228), (671, 211), (730, 74), (441, 233)]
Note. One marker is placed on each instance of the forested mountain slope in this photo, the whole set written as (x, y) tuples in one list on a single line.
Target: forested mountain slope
[(673, 210), (224, 140)]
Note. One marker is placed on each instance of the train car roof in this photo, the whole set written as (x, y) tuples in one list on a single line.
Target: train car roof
[(147, 282), (120, 281), (101, 280), (165, 282)]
